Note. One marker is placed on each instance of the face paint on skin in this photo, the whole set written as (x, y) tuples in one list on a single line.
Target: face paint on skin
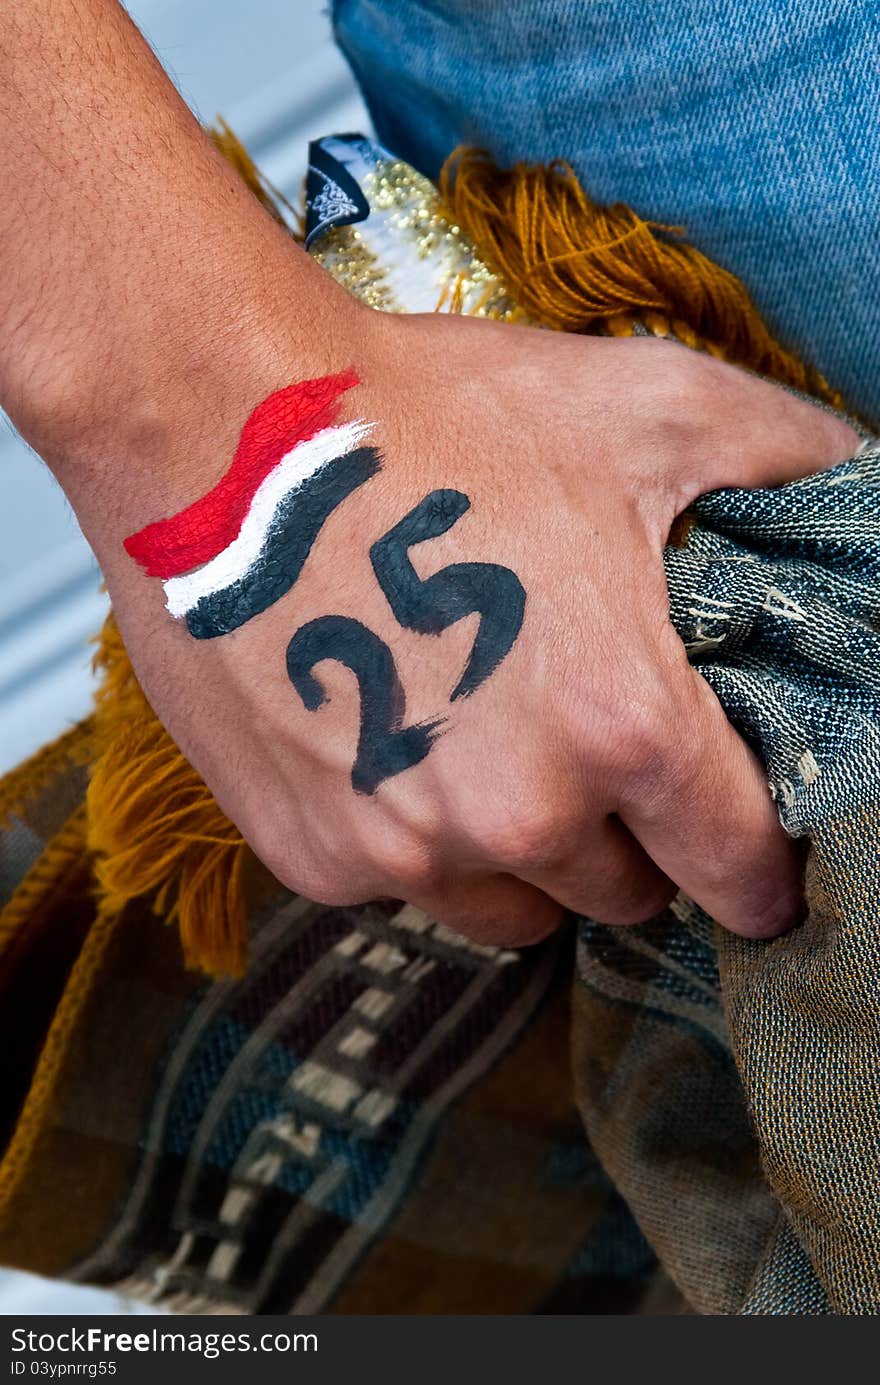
[(241, 547), (198, 533), (433, 604), (385, 746), (285, 543), (283, 485)]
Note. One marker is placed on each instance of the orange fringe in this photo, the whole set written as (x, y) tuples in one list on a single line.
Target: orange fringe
[(576, 266), (153, 826)]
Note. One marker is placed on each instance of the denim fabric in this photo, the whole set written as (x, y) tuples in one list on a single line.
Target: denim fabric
[(755, 126)]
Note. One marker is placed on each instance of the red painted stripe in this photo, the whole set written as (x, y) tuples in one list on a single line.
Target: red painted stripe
[(198, 533)]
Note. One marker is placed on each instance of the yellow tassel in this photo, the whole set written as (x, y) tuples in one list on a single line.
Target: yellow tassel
[(577, 266), (154, 827)]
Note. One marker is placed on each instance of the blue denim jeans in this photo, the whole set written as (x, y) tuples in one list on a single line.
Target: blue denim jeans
[(754, 124)]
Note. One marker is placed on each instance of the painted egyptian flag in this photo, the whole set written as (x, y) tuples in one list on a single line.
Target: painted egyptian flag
[(239, 548)]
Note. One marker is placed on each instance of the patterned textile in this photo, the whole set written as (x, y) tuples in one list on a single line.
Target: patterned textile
[(381, 1117), (352, 1126)]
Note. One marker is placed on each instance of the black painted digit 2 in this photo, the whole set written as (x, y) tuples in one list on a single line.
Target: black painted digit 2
[(385, 746)]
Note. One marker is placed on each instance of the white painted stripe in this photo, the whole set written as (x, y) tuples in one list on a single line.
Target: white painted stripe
[(234, 561)]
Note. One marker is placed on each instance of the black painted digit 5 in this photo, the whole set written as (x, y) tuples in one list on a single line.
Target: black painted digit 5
[(385, 745), (433, 604)]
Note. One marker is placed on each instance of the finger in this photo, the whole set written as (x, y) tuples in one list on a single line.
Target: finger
[(703, 812), (608, 877), (494, 910), (766, 436)]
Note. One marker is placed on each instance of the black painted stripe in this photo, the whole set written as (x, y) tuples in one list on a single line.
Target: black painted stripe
[(297, 523)]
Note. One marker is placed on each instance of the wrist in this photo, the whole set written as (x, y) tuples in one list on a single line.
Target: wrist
[(127, 438)]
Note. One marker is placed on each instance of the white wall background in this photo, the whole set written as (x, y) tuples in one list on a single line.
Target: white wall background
[(269, 67)]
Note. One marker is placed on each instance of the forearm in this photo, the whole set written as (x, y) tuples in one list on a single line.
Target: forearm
[(143, 285)]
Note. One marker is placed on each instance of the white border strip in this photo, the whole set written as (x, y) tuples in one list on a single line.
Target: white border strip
[(290, 474)]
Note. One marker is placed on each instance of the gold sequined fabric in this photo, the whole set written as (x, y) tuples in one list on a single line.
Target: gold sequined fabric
[(408, 255)]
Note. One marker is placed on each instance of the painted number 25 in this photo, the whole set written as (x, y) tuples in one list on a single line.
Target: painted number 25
[(385, 746)]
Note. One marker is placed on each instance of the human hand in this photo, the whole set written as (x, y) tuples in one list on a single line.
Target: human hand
[(587, 765), (151, 304)]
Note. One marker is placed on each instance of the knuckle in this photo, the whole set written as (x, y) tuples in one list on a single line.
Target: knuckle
[(487, 930), (643, 742), (680, 387), (322, 884), (533, 840), (409, 866), (772, 914)]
